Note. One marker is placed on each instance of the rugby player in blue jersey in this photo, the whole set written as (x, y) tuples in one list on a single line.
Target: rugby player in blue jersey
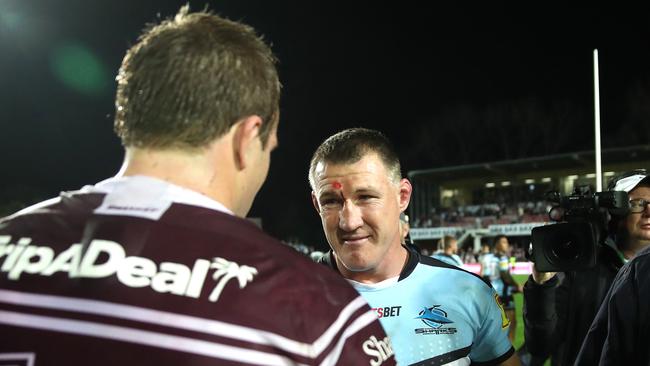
[(434, 313)]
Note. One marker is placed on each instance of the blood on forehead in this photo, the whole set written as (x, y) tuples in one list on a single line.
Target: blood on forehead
[(337, 185)]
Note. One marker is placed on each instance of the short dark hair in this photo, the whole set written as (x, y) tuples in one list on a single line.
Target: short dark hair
[(350, 146), (192, 77)]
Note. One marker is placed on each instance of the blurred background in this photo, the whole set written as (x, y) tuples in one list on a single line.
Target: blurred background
[(488, 105)]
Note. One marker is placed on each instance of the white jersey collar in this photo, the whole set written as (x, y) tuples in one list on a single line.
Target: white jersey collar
[(147, 196), (359, 286)]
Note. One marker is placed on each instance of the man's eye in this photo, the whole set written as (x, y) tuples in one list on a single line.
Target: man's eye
[(328, 202)]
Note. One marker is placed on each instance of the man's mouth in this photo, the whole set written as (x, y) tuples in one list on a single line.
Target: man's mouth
[(354, 240)]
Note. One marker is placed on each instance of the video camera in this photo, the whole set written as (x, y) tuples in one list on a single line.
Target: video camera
[(571, 244)]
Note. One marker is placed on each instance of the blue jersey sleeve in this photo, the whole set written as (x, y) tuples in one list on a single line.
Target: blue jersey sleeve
[(491, 341)]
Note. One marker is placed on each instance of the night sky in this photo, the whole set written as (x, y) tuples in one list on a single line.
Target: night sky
[(449, 85)]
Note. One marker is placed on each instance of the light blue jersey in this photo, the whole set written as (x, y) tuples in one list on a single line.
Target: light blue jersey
[(492, 266), (438, 314)]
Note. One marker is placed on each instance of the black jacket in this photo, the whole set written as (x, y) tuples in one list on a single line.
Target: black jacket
[(558, 314), (620, 332)]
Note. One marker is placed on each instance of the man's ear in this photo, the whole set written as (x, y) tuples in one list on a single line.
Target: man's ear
[(245, 137), (314, 202), (405, 190)]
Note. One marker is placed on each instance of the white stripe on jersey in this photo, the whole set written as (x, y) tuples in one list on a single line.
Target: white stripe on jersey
[(192, 323), (148, 338), (354, 327), (27, 357), (324, 340)]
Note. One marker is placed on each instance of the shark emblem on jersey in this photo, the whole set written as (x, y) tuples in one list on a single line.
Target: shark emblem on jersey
[(433, 316)]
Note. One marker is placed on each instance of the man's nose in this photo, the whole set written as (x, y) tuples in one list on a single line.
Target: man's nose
[(350, 217)]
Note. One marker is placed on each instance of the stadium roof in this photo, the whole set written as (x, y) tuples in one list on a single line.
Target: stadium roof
[(582, 160)]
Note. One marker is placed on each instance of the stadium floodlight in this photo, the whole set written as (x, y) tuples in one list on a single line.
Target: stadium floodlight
[(9, 20), (599, 165), (590, 175), (489, 185), (546, 179), (609, 174), (24, 29), (572, 177), (505, 183), (78, 68), (529, 181)]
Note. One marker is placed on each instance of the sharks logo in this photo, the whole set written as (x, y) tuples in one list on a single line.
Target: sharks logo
[(505, 322), (434, 317)]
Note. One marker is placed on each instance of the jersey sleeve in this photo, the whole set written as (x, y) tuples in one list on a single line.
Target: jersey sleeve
[(491, 342)]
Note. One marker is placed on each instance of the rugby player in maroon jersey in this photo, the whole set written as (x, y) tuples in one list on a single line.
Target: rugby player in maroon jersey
[(157, 266)]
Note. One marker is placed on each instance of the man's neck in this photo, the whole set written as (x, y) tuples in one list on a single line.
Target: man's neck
[(634, 247), (189, 170), (392, 269)]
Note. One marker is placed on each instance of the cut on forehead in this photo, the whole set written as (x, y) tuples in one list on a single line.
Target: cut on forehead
[(350, 146), (351, 186), (321, 171)]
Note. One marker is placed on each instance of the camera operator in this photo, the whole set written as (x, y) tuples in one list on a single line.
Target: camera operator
[(559, 308), (620, 332)]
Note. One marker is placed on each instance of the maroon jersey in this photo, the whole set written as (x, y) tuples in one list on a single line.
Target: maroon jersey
[(137, 271)]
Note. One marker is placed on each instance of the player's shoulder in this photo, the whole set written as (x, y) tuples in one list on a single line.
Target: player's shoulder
[(289, 283), (453, 273), (57, 216), (296, 275), (250, 238)]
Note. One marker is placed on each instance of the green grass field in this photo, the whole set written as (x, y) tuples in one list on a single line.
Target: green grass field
[(519, 303)]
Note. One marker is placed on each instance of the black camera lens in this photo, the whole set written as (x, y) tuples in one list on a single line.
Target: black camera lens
[(567, 249), (567, 246)]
